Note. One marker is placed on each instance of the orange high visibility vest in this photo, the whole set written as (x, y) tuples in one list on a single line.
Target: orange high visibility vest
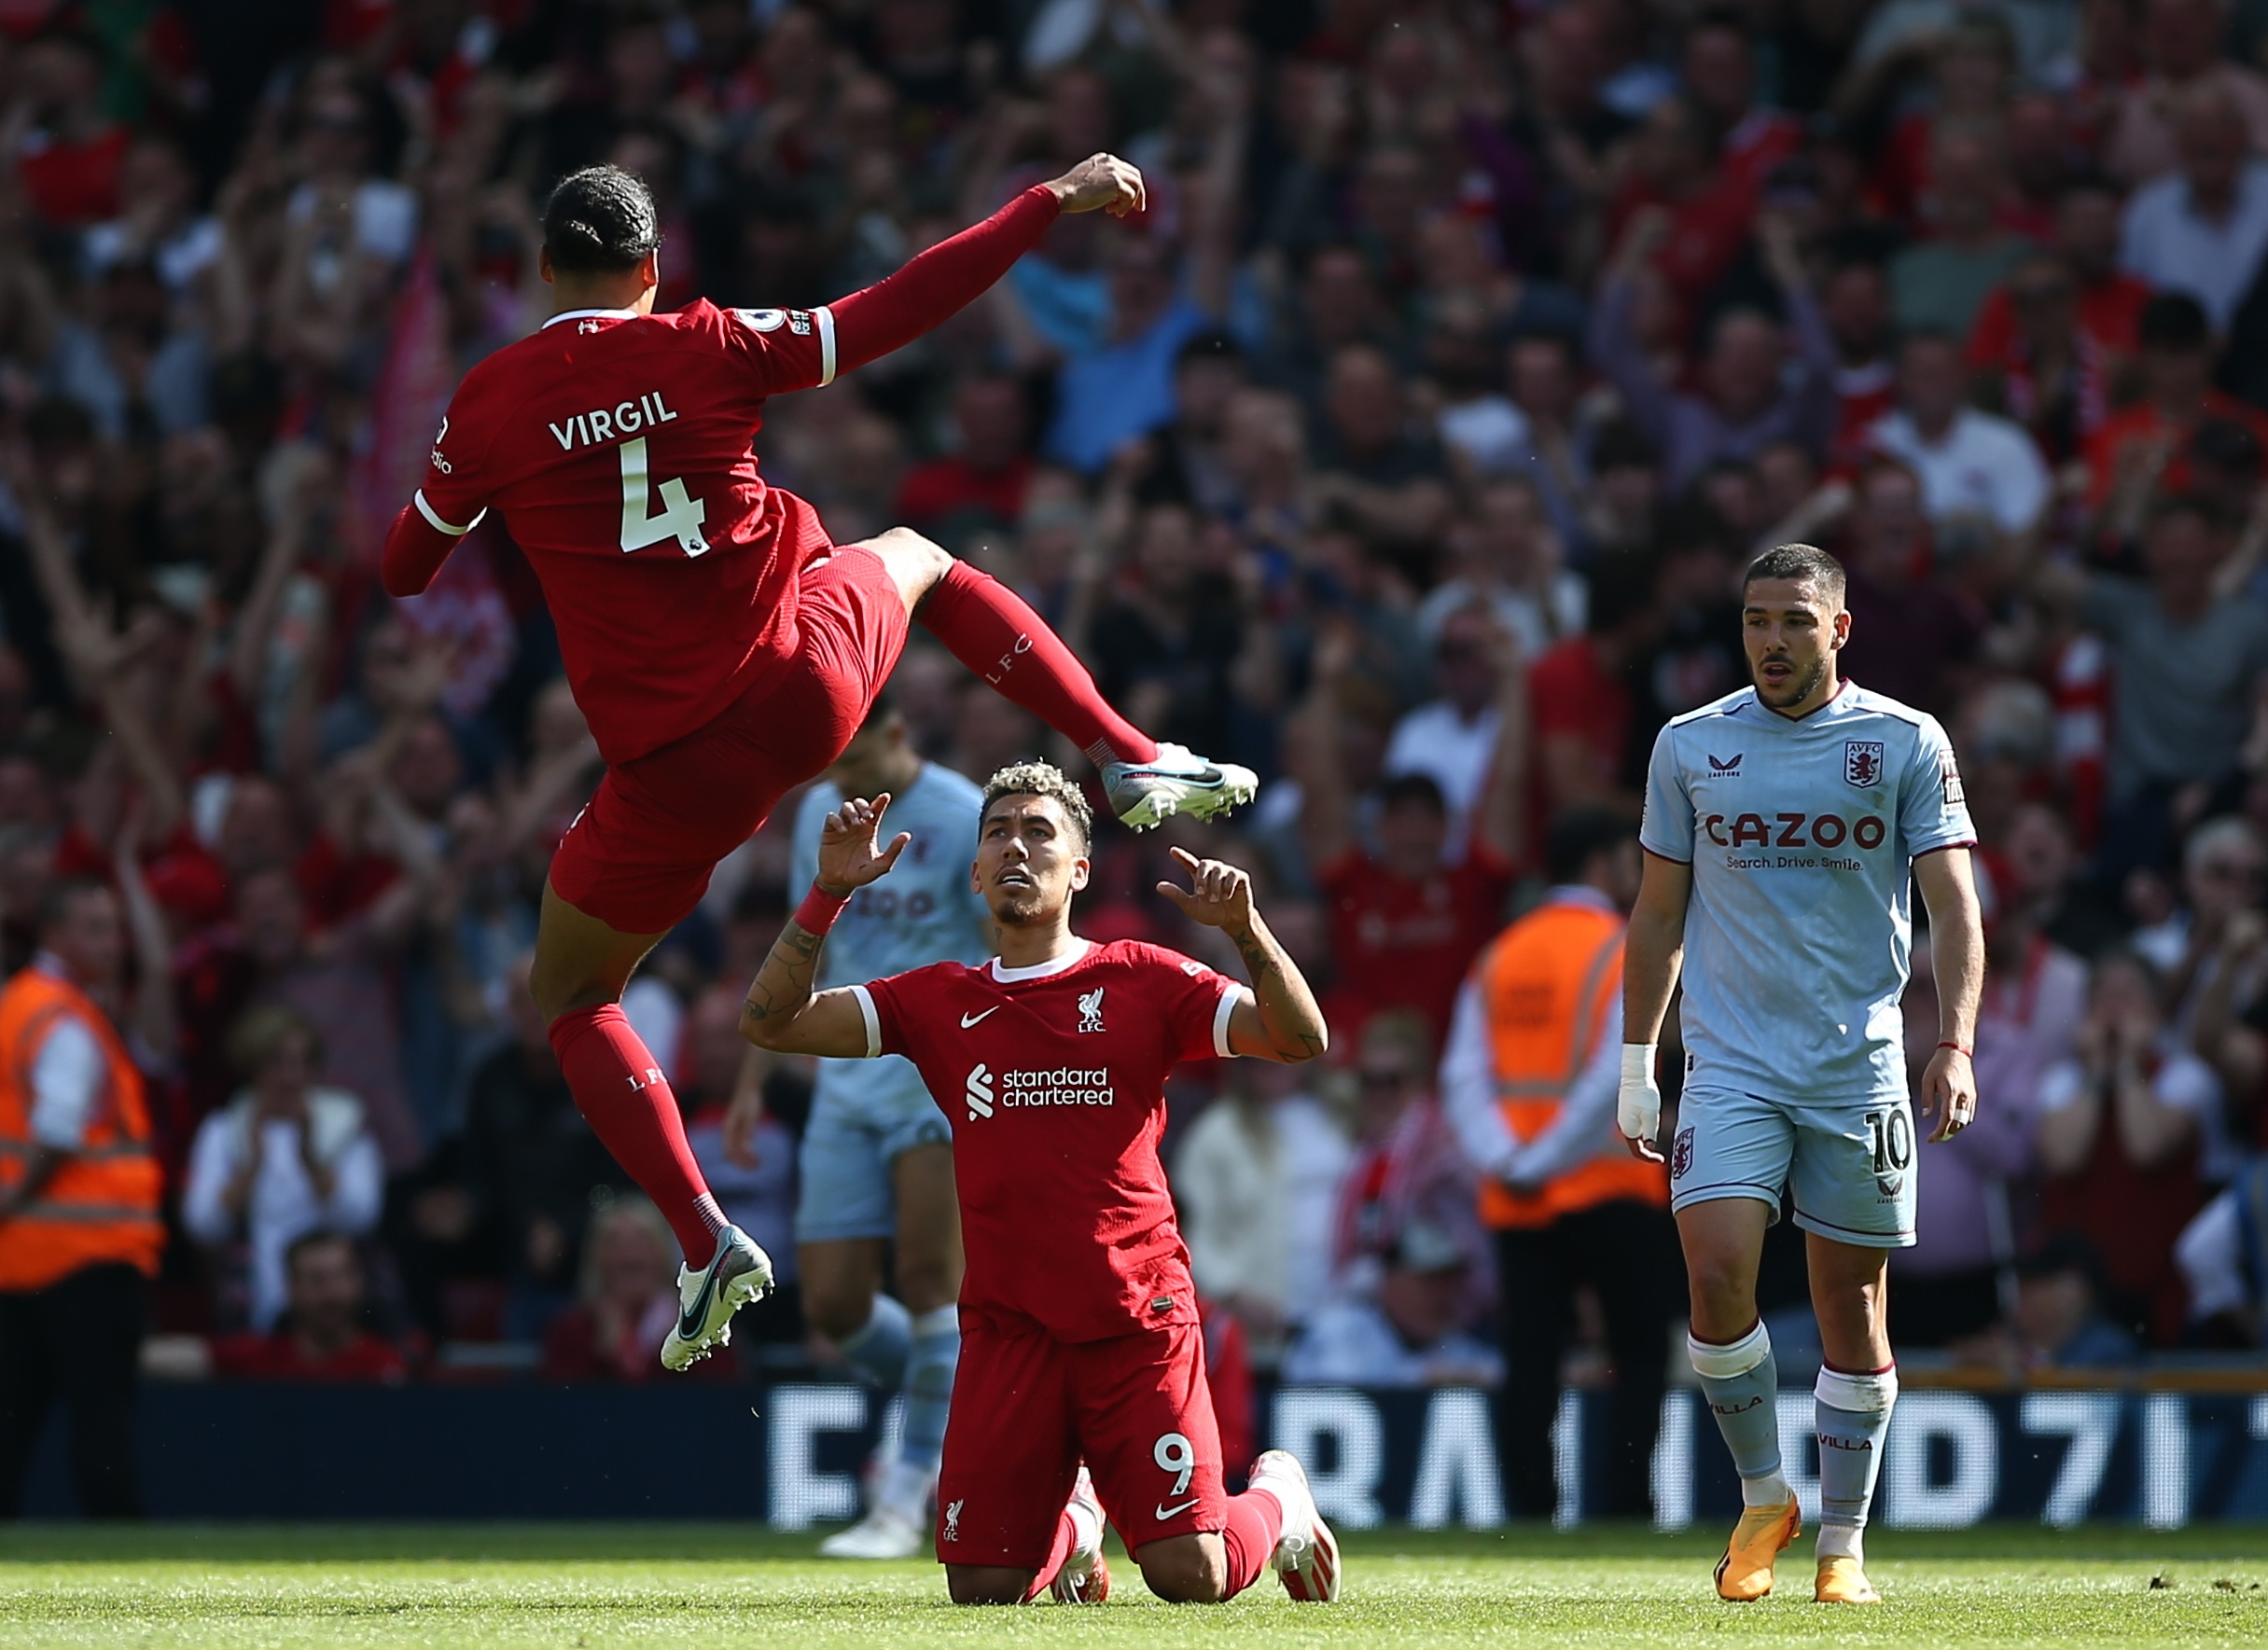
[(1548, 983), (101, 1204)]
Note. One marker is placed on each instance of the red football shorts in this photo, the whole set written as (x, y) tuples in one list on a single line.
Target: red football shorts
[(1027, 1408), (639, 857)]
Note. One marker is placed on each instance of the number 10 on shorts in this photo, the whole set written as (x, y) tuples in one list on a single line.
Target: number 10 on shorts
[(1889, 1141)]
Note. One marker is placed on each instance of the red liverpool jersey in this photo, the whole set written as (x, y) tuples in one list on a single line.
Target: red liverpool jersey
[(617, 448), (1053, 1078)]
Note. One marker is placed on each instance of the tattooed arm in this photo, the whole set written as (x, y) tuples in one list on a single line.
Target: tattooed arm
[(1279, 1020), (781, 1013)]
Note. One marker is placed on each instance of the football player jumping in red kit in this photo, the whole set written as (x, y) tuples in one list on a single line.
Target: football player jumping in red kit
[(722, 648), (1079, 1338)]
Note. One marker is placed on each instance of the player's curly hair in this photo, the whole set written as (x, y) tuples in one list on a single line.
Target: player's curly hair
[(1040, 778), (600, 220)]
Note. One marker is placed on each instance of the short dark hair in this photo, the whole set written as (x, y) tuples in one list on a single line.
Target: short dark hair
[(2193, 505), (600, 220), (58, 898), (1803, 564), (1421, 788), (1040, 779), (2174, 321), (322, 1237), (1575, 834)]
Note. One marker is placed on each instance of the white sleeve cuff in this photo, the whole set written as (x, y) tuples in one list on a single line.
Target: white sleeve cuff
[(434, 521), (873, 1020), (1231, 995), (826, 319)]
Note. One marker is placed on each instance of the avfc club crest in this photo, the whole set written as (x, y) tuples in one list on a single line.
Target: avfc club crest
[(1681, 1155), (1863, 762)]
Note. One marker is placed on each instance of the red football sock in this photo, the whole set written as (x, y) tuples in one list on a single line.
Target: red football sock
[(1067, 1537), (1256, 1523), (995, 632), (621, 1091)]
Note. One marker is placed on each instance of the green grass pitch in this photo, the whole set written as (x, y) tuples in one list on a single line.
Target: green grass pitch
[(582, 1587)]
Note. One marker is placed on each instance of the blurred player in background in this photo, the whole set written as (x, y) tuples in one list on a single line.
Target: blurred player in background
[(721, 646), (1081, 1341), (1785, 826), (876, 1167)]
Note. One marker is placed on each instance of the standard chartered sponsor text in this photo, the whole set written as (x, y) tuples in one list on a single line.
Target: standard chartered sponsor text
[(1061, 1086)]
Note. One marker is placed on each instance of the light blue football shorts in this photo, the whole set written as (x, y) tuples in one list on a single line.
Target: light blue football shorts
[(863, 1114), (1849, 1163)]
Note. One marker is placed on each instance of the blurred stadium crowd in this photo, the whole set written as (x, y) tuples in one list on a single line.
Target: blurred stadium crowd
[(1408, 450)]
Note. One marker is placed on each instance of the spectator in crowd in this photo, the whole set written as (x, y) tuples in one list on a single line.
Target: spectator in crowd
[(288, 1154), (79, 1232), (1529, 1077), (1255, 1179), (2224, 874), (322, 1335), (1405, 1165), (2108, 299), (2060, 1322), (1747, 399), (1406, 916), (1912, 637), (2051, 374), (1940, 284), (1969, 462), (625, 1300), (1412, 1333), (2202, 230), (1510, 562), (2121, 1132), (2223, 1257), (2143, 447), (981, 482), (2185, 41), (2185, 665)]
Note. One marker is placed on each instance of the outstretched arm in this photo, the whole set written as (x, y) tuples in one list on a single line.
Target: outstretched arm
[(1280, 1021), (781, 1013), (935, 284)]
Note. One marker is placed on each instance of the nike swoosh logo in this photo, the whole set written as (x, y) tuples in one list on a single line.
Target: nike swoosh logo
[(969, 1019), (690, 1320), (1166, 1512)]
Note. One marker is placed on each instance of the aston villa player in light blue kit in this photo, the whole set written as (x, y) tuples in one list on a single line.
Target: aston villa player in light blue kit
[(876, 1165), (1785, 826)]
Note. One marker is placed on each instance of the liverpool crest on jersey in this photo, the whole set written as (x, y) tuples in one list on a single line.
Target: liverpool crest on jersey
[(1863, 762)]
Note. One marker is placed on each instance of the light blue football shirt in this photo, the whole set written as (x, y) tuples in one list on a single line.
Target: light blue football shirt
[(924, 911), (1802, 836)]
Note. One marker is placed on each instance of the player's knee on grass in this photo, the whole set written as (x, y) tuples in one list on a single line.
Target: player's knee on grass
[(986, 1584), (1185, 1569)]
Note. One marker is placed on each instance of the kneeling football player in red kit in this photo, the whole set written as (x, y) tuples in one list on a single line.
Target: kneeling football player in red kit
[(1078, 1321)]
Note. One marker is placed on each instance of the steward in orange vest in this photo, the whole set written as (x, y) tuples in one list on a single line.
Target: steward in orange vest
[(80, 1187), (1528, 1078), (92, 1204)]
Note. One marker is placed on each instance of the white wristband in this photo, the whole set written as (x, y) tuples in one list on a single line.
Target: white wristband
[(1638, 1061)]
